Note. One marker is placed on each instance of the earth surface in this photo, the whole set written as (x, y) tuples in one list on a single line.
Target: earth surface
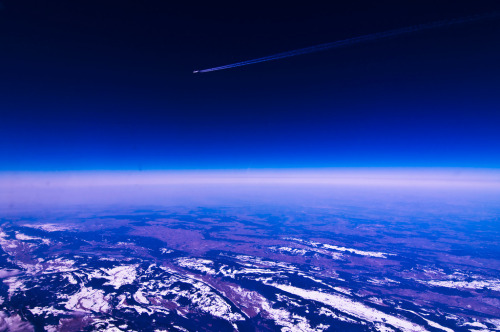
[(340, 263)]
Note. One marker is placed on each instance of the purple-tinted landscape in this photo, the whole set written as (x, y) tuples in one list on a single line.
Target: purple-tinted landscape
[(253, 257)]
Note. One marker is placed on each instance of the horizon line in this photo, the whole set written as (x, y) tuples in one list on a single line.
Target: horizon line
[(371, 176)]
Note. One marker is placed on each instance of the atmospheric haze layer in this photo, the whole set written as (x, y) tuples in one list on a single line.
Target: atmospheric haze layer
[(163, 187)]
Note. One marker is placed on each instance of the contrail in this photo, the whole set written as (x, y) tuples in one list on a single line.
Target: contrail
[(356, 40)]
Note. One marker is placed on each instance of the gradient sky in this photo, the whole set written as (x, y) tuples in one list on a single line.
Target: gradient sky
[(108, 85)]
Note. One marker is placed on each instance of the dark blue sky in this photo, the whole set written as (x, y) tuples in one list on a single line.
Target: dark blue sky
[(109, 85)]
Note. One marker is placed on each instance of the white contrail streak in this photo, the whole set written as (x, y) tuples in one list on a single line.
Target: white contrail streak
[(356, 40)]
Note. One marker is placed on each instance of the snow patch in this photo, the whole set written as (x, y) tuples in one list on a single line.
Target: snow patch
[(45, 311), (13, 323), (15, 285), (49, 227), (24, 237), (288, 250), (120, 275), (493, 284), (357, 252), (140, 298), (89, 299), (352, 308), (198, 264)]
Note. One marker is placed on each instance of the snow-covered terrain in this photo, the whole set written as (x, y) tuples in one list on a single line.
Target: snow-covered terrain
[(189, 272)]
